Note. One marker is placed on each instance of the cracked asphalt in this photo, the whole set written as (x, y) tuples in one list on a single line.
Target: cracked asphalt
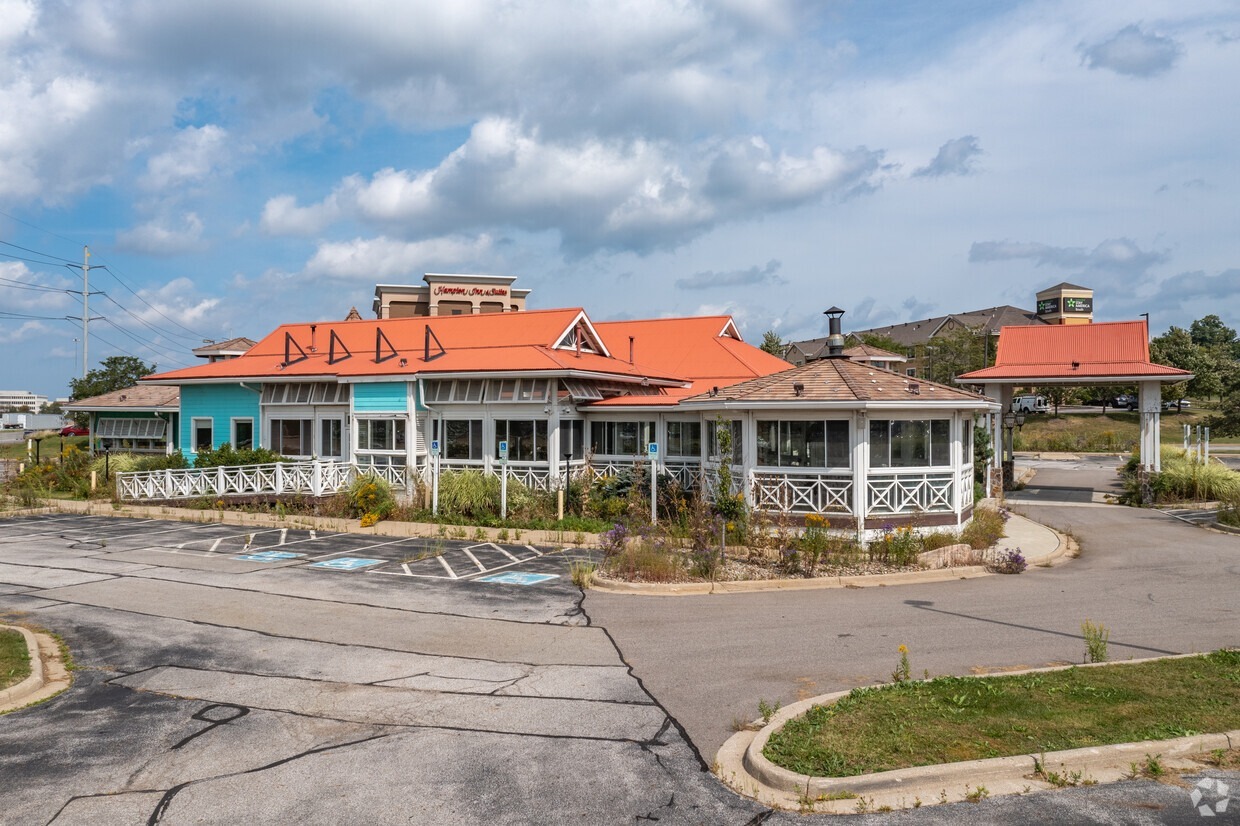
[(216, 689)]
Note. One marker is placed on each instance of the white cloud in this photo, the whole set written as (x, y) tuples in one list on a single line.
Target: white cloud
[(955, 157), (708, 279), (598, 194), (1133, 52), (282, 216), (158, 238), (194, 153), (22, 332), (371, 259)]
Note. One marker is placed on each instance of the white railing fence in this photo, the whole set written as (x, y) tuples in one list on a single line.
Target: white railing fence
[(925, 491), (790, 492), (276, 478)]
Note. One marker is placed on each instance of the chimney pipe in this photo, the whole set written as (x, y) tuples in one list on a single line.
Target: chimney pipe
[(835, 339)]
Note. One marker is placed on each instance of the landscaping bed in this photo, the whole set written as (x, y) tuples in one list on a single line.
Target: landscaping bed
[(952, 719)]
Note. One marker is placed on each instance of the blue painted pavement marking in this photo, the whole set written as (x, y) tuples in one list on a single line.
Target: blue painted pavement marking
[(267, 556), (347, 563), (517, 578)]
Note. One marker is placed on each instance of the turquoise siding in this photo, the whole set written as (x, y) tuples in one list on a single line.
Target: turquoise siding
[(381, 397), (221, 403)]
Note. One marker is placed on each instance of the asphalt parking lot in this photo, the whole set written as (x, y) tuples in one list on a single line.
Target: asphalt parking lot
[(226, 675)]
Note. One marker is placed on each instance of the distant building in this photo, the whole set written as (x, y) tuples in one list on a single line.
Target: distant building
[(221, 350), (13, 399), (449, 294), (1061, 304)]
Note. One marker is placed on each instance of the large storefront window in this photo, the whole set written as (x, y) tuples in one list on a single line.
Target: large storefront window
[(684, 439), (381, 434), (292, 437), (621, 438), (803, 444), (527, 440), (462, 438), (913, 443)]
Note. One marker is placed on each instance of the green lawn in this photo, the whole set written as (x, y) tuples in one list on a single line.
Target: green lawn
[(950, 719), (14, 658)]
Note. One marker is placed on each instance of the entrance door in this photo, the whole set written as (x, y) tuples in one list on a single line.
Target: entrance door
[(331, 438)]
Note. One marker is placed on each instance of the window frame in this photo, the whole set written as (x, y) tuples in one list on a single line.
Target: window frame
[(934, 442), (195, 429)]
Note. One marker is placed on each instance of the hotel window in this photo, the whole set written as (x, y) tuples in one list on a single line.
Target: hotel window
[(621, 438), (203, 433), (527, 440), (684, 439), (712, 440), (803, 444), (913, 443), (292, 437), (462, 438)]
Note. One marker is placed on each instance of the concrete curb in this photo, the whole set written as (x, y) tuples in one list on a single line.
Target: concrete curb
[(681, 589), (307, 522), (742, 766), (15, 693), (48, 675)]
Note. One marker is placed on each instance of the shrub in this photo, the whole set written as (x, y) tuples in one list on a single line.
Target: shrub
[(895, 547), (370, 495), (646, 562), (471, 493), (226, 455), (939, 539), (985, 529)]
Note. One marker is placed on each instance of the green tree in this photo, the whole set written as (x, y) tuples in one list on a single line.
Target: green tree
[(114, 373), (1212, 365), (1210, 331), (952, 353), (772, 343), (883, 343)]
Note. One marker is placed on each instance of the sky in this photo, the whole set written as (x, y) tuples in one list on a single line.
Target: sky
[(239, 164)]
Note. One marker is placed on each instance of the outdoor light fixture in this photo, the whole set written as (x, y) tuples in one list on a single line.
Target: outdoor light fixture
[(404, 362)]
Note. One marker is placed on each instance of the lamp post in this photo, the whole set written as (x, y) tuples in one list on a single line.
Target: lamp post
[(1011, 420)]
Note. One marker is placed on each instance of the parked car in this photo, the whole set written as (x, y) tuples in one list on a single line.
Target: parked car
[(1174, 404), (1124, 401), (74, 430)]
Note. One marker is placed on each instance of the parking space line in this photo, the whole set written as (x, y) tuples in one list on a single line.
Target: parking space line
[(283, 535), (364, 547), (446, 567), (470, 554), (216, 544), (504, 551)]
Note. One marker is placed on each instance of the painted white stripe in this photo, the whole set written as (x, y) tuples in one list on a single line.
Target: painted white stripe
[(283, 536), (447, 567), (470, 554), (214, 545)]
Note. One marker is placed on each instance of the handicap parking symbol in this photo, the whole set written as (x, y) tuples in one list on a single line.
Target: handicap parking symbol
[(517, 578), (268, 556), (347, 563)]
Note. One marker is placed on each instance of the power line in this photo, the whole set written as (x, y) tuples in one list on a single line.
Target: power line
[(40, 229), (152, 327), (108, 269), (146, 342), (8, 314), (26, 285), (39, 252), (33, 260)]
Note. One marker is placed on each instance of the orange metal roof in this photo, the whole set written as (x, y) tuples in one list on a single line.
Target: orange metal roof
[(671, 351), (706, 350), (1084, 351)]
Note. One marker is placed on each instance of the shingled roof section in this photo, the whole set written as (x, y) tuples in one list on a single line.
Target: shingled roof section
[(839, 380), (137, 398), (1105, 350)]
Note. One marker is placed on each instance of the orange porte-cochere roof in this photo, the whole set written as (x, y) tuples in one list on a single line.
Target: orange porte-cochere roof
[(1084, 351)]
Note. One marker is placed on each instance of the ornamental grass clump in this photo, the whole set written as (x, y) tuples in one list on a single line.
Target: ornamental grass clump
[(985, 529)]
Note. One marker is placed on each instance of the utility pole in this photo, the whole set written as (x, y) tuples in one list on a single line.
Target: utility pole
[(85, 307)]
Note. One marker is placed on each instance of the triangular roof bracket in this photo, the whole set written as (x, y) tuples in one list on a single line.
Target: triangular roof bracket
[(291, 345), (384, 349), (426, 345), (332, 345)]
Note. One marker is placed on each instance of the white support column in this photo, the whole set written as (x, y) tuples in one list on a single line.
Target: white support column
[(860, 468), (957, 460), (749, 455), (1150, 404)]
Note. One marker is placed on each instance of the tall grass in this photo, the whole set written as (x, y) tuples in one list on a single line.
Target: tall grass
[(1185, 477)]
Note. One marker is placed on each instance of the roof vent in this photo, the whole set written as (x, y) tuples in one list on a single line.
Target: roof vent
[(798, 388), (914, 388)]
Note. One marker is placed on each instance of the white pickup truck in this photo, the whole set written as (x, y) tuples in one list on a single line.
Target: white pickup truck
[(1029, 404)]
